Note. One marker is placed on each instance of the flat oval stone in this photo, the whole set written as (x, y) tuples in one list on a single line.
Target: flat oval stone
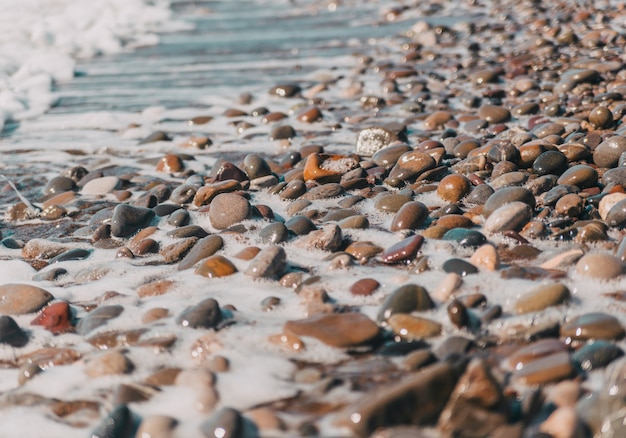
[(581, 175), (109, 363), (205, 314), (550, 163), (411, 327), (17, 299), (405, 299), (228, 209), (412, 164), (507, 195), (547, 369), (465, 237), (356, 222), (72, 254), (410, 216), (216, 266), (293, 190), (388, 156), (403, 251), (363, 250), (282, 132), (225, 423), (325, 191), (177, 250), (494, 114), (204, 248), (59, 184), (57, 318), (118, 423), (341, 330), (509, 217), (459, 267), (371, 140), (596, 325), (300, 225), (188, 231), (542, 297), (269, 263), (11, 333), (364, 287), (255, 166), (101, 186), (127, 220), (98, 317), (391, 203), (600, 266), (597, 354)]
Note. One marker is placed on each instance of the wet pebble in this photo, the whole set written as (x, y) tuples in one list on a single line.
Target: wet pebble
[(17, 299), (409, 216), (216, 266), (57, 318), (505, 196), (453, 188), (327, 238), (595, 325), (225, 423), (11, 333), (157, 426), (459, 267), (550, 163), (98, 317), (600, 266), (340, 330), (403, 251), (465, 237), (269, 263), (411, 327), (364, 287), (127, 220), (117, 424), (391, 203), (405, 299), (300, 225), (205, 314), (597, 354), (273, 233), (101, 186), (108, 363), (204, 248), (509, 217), (486, 257), (371, 140), (580, 175), (607, 153), (542, 297), (549, 368)]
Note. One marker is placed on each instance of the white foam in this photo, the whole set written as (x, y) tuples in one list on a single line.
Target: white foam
[(41, 39)]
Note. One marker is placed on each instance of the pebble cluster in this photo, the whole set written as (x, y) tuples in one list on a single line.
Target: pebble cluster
[(429, 244)]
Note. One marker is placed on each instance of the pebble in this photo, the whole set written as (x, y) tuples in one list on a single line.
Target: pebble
[(176, 251), (58, 184), (597, 354), (355, 222), (327, 238), (57, 318), (607, 153), (188, 231), (101, 186), (284, 132), (570, 205), (98, 317), (546, 369), (204, 248), (42, 249), (127, 220), (391, 203), (364, 287), (595, 325), (216, 266), (371, 140), (403, 251), (157, 426), (542, 297), (11, 333), (228, 209), (225, 423), (447, 287), (511, 216), (341, 330), (459, 267), (616, 216), (607, 203), (300, 225), (550, 163), (411, 327), (465, 237), (274, 233), (205, 314), (410, 216), (388, 156), (17, 299), (563, 423), (494, 114), (405, 299), (486, 257), (118, 423), (269, 263), (411, 165), (453, 188), (581, 175), (109, 363), (507, 195), (600, 266)]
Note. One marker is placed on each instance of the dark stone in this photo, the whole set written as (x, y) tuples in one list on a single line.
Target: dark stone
[(127, 220), (118, 424), (225, 423), (465, 237), (72, 254), (460, 267), (205, 314), (10, 333), (597, 354), (405, 299), (98, 317), (275, 232)]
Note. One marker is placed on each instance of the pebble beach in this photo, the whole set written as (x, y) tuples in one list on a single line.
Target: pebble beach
[(313, 218)]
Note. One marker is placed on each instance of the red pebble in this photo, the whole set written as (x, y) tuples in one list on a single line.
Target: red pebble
[(55, 318)]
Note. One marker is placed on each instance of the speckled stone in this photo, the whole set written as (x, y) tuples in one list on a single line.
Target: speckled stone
[(327, 238), (596, 325), (228, 209), (371, 140), (340, 330), (600, 266), (17, 299)]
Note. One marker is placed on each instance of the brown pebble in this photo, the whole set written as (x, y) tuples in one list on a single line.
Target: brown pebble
[(453, 188), (600, 266), (486, 257), (216, 266), (364, 287), (154, 288), (337, 330), (170, 163), (411, 327), (108, 363), (154, 314)]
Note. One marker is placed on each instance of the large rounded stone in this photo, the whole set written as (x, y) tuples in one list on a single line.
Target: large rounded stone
[(227, 209), (127, 219), (336, 329), (17, 299), (607, 153)]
